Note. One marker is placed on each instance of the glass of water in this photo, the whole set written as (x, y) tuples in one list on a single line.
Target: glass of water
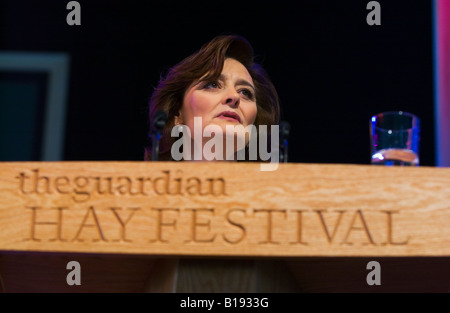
[(395, 137)]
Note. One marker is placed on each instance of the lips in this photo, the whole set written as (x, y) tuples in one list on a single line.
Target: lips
[(228, 115)]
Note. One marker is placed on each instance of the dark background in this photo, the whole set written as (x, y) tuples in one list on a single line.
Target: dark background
[(331, 69)]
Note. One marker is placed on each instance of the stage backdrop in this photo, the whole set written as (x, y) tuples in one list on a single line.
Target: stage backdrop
[(331, 68)]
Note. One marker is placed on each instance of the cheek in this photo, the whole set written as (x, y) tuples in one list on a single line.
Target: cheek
[(250, 114), (196, 104)]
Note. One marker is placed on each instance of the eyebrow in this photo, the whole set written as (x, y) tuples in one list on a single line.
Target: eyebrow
[(239, 81)]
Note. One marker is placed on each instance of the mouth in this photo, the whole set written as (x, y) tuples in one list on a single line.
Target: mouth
[(230, 116)]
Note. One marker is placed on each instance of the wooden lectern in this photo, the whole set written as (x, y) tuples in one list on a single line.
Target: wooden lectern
[(222, 227)]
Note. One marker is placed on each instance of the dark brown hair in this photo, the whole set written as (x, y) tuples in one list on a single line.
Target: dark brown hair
[(209, 60)]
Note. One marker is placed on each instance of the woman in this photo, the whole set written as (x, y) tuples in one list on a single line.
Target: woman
[(218, 86)]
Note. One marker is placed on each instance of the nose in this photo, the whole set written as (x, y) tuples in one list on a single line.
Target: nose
[(232, 98)]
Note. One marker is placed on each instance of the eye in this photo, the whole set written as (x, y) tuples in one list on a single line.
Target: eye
[(211, 85), (247, 93)]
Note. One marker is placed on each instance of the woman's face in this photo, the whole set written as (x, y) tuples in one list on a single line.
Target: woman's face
[(230, 100)]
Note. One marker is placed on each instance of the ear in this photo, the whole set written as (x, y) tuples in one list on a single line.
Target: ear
[(178, 119)]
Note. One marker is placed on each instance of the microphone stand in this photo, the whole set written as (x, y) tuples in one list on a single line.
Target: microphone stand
[(284, 134), (158, 123)]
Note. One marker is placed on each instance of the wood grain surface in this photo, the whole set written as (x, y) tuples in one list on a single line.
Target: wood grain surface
[(224, 209)]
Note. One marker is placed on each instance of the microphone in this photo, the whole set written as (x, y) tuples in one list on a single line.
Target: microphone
[(158, 123), (284, 134)]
